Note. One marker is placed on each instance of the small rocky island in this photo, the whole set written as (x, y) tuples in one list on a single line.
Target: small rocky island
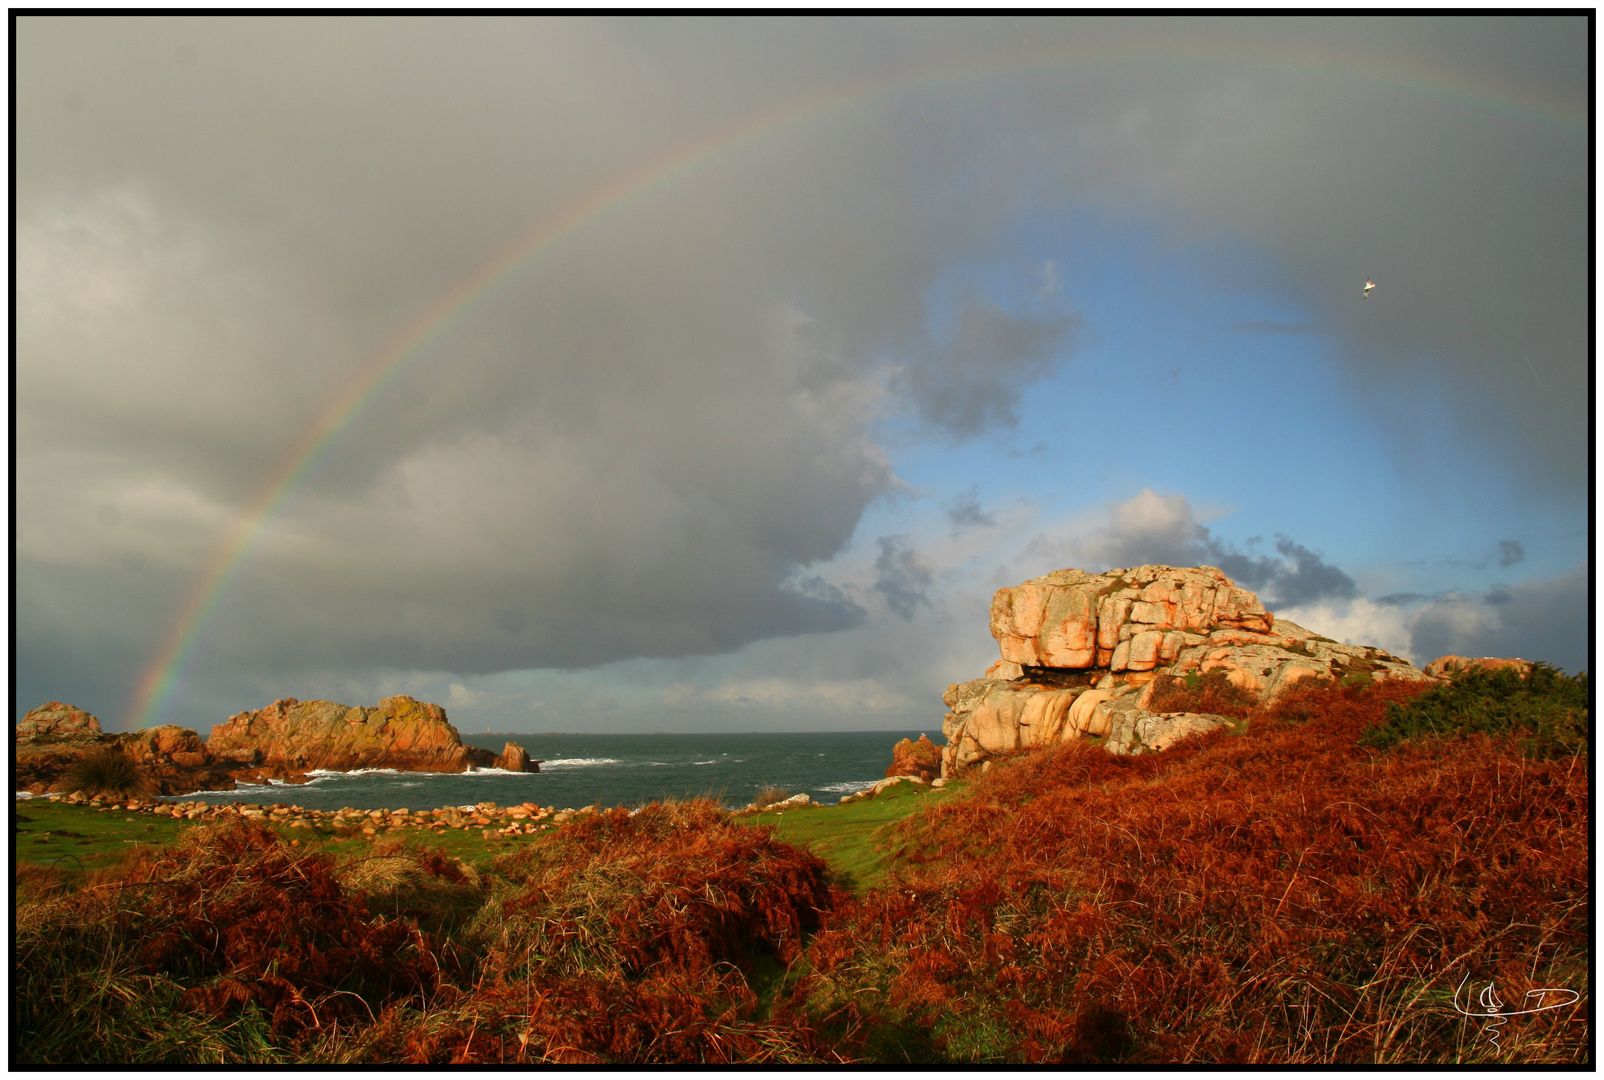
[(284, 741)]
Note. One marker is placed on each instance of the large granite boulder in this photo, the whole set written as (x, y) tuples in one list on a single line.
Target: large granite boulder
[(297, 736), (921, 759), (515, 758), (1081, 653), (54, 720)]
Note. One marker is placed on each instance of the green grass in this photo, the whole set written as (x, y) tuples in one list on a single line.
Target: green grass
[(850, 837), (76, 839)]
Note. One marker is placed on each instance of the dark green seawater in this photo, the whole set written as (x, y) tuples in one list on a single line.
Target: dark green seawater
[(612, 770)]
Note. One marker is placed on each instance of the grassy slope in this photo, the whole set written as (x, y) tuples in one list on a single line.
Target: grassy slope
[(852, 837)]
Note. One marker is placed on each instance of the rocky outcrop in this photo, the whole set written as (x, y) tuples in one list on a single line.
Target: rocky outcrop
[(1081, 653), (54, 720), (298, 736), (515, 758), (282, 742), (1445, 667), (170, 760), (921, 759)]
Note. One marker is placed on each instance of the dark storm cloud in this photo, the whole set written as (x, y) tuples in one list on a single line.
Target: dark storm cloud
[(901, 576), (632, 444), (1300, 576), (973, 382), (1153, 528)]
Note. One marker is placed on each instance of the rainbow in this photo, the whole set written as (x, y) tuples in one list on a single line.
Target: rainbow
[(200, 606)]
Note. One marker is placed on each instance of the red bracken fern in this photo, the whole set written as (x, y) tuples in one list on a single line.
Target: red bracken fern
[(1285, 896), (637, 938)]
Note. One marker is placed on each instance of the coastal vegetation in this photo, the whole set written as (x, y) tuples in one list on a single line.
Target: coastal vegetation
[(1332, 882)]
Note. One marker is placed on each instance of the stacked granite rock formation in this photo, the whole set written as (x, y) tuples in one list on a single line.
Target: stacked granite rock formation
[(1081, 653)]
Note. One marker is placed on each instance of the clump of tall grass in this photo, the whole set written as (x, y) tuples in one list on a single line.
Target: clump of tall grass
[(769, 794), (106, 771), (228, 946)]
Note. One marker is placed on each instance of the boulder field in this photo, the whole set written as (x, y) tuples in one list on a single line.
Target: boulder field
[(1082, 653), (486, 817), (284, 741)]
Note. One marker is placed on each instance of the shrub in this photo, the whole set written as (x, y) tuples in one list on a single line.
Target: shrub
[(1201, 692), (1547, 708), (107, 771)]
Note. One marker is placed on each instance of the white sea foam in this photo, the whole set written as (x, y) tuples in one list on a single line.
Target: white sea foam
[(352, 772), (24, 794), (849, 787), (327, 774), (576, 762)]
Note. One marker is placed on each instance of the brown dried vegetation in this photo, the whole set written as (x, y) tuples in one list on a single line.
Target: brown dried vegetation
[(1287, 897)]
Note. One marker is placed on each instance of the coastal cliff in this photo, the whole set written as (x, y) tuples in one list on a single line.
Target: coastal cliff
[(1082, 655)]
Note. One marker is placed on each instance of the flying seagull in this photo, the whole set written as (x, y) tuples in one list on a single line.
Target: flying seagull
[(1368, 286)]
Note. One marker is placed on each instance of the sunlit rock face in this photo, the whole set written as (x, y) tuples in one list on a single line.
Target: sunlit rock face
[(1081, 653), (55, 720), (400, 733)]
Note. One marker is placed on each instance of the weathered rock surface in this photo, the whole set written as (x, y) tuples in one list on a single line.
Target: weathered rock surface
[(297, 736), (54, 720), (515, 758), (1081, 653), (281, 742), (910, 758), (1447, 666), (170, 760)]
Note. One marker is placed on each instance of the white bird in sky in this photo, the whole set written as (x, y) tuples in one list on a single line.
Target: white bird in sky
[(1368, 286)]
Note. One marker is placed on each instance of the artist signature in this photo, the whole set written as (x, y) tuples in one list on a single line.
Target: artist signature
[(1492, 1006)]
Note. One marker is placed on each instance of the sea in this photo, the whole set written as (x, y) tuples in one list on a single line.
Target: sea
[(610, 770)]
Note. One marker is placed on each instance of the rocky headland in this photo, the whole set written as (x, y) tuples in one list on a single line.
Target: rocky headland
[(1082, 655), (284, 741)]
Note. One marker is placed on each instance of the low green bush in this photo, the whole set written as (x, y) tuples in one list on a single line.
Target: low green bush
[(1546, 707)]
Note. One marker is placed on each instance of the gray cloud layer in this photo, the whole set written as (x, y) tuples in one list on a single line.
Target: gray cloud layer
[(1539, 620), (633, 444)]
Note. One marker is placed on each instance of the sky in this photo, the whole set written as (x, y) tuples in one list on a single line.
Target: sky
[(662, 374)]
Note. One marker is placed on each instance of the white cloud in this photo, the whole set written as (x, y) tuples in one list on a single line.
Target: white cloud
[(1360, 622)]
